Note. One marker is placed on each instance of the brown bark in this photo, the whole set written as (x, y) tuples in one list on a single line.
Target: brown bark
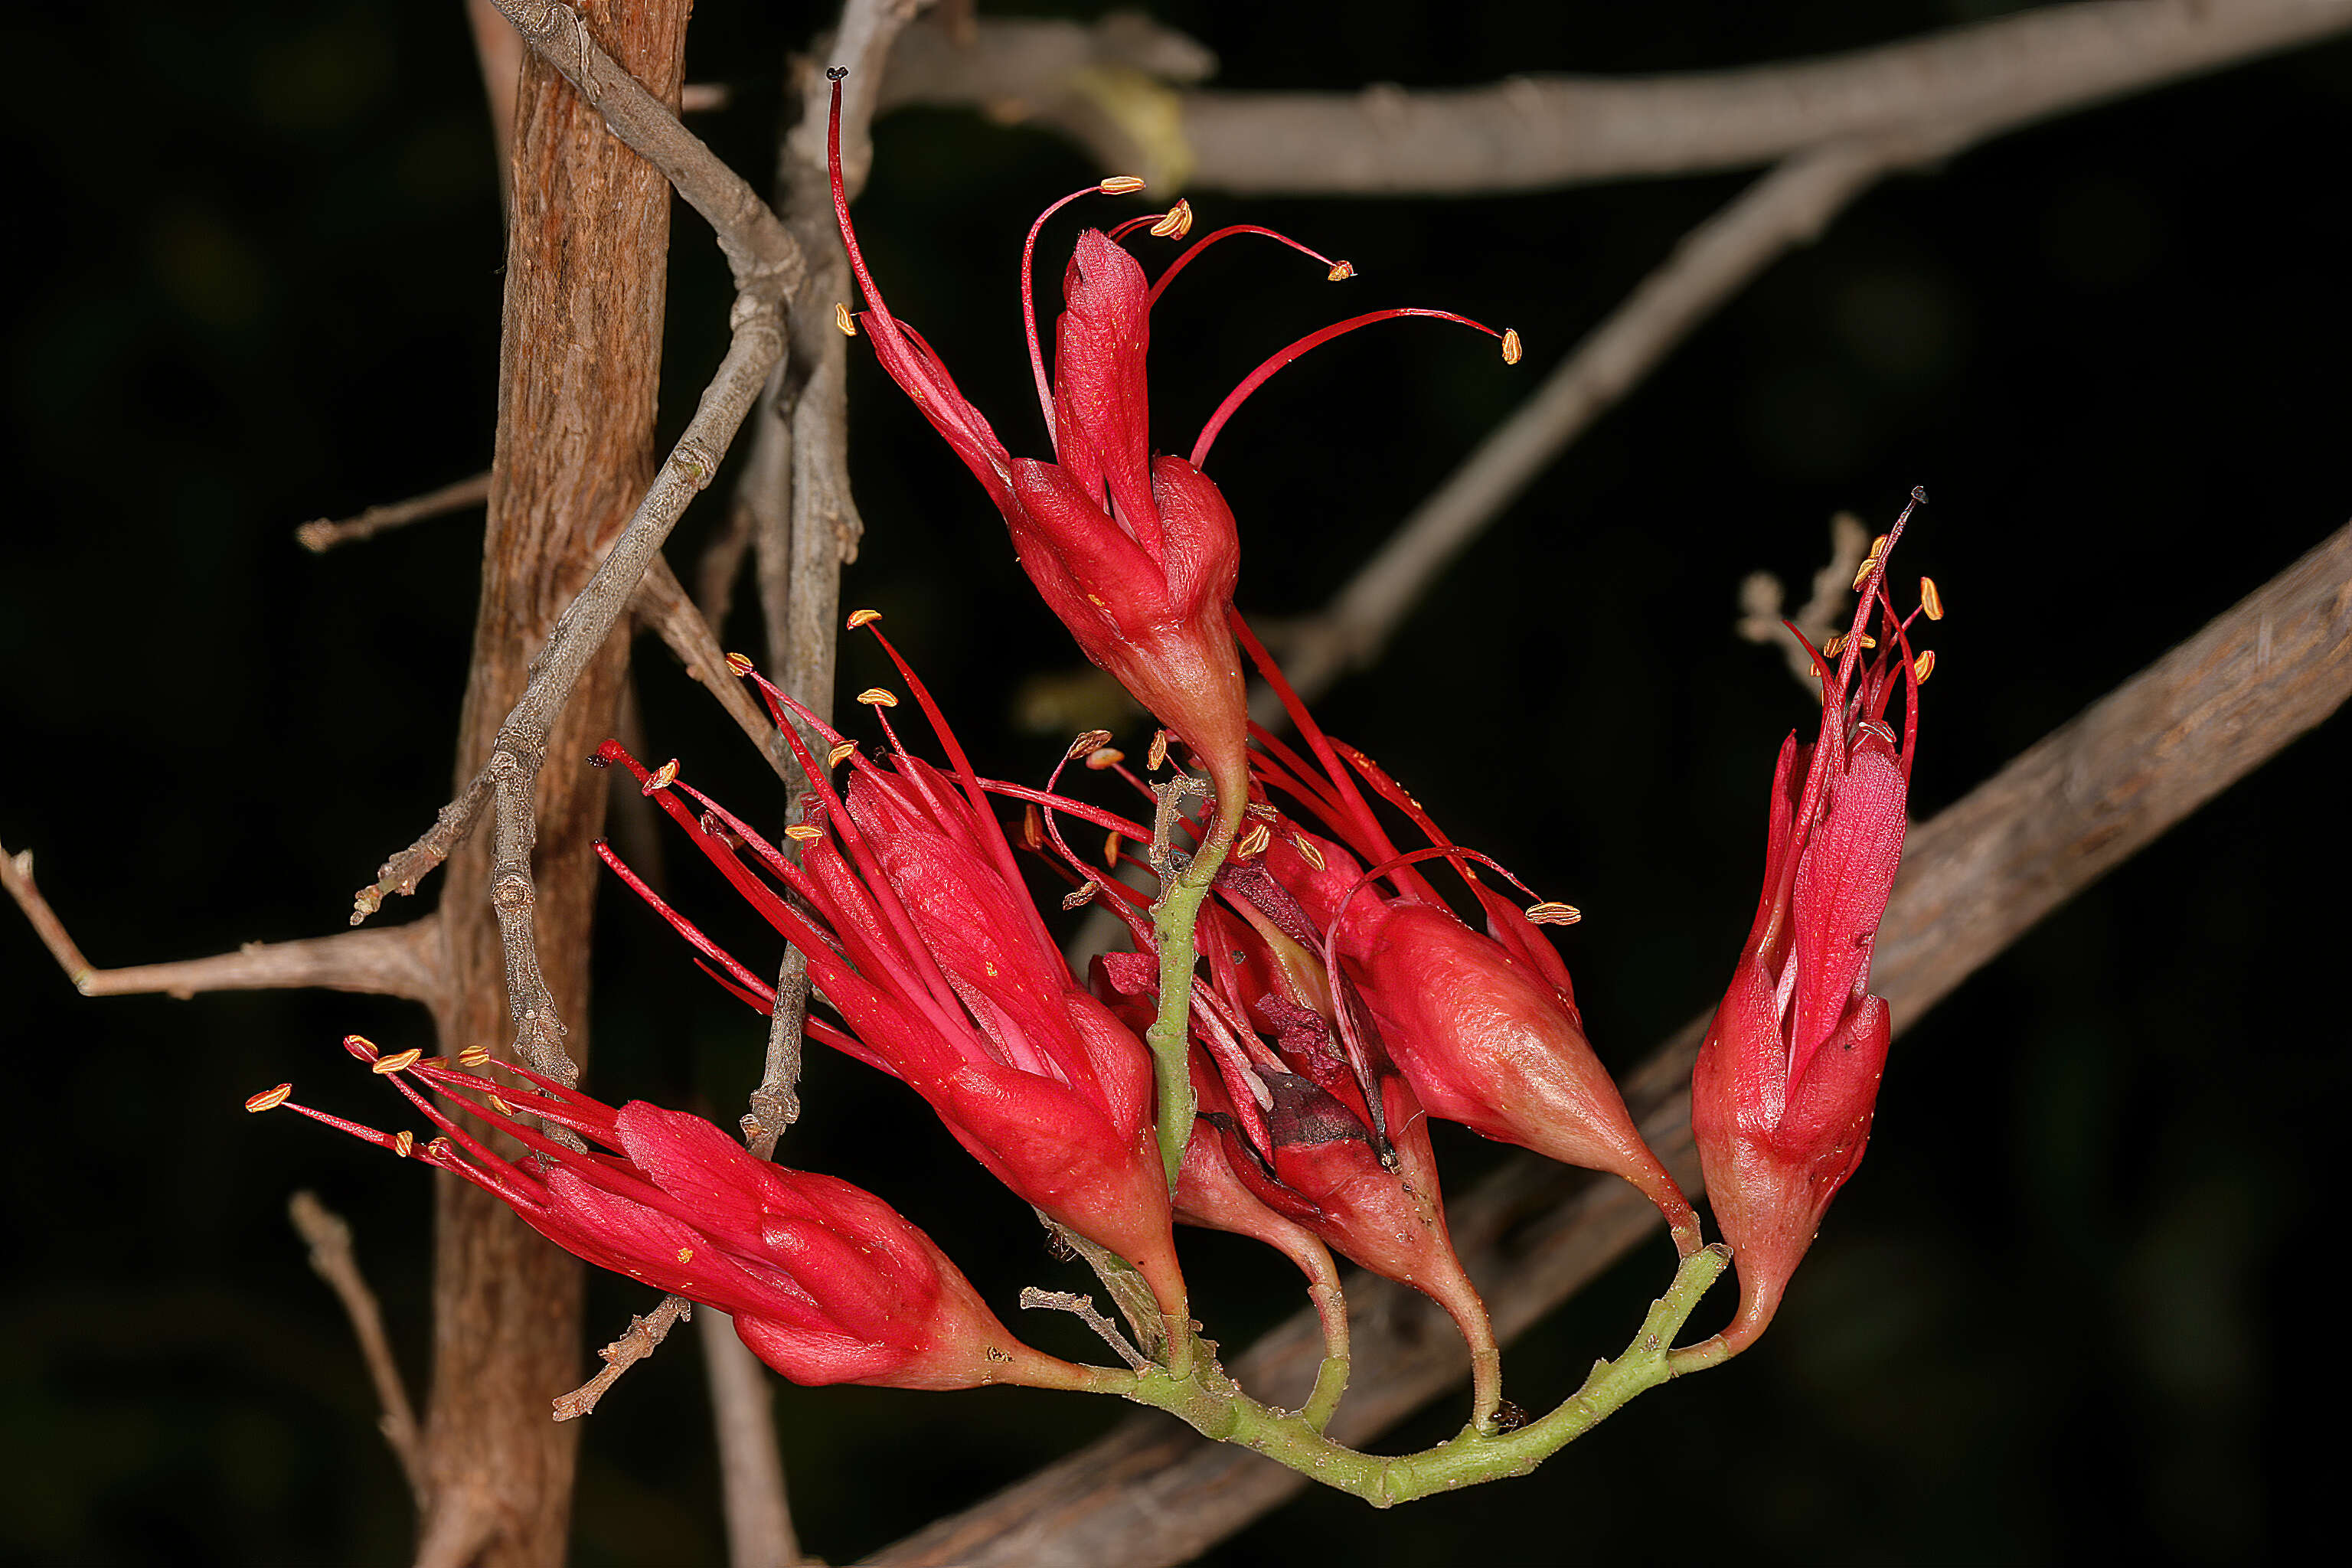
[(579, 372)]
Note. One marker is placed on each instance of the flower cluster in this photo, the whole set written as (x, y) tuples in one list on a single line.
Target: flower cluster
[(1349, 991)]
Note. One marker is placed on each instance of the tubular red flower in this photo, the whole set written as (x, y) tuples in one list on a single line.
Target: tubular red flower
[(1483, 1023), (1137, 554), (825, 1283), (921, 937), (1325, 1139), (1787, 1081)]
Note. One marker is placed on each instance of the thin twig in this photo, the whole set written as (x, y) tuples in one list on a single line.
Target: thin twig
[(1974, 879), (1086, 1311), (1540, 132), (645, 1334), (328, 1238), (322, 535), (662, 605), (402, 961), (750, 1469), (1787, 207), (1763, 601)]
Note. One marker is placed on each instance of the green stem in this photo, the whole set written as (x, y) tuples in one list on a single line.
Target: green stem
[(1172, 919), (1209, 1402)]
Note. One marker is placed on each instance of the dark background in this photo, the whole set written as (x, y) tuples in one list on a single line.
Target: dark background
[(2068, 1305)]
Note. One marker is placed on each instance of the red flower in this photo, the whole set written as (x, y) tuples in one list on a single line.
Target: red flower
[(1136, 553), (825, 1283), (1330, 1139), (1783, 1092), (919, 934), (1483, 1023)]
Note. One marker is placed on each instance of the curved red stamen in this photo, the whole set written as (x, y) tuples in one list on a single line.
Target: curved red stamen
[(680, 924), (1259, 376), (1207, 240)]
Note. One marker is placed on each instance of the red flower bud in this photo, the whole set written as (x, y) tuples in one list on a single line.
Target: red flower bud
[(825, 1283), (1786, 1083)]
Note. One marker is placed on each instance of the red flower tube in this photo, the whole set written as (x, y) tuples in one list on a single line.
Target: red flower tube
[(919, 934), (1786, 1081), (1138, 554), (825, 1283)]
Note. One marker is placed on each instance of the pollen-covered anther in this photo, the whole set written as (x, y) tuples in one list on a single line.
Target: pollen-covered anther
[(498, 1104), (1925, 665), (803, 832), (1079, 896), (474, 1056), (1552, 912), (876, 696), (1930, 600), (842, 318), (739, 665), (1341, 271), (361, 1047), (1177, 224), (862, 618), (1253, 843), (1091, 741), (1156, 758), (1110, 849), (271, 1099), (663, 778), (399, 1061), (403, 1142), (1834, 647), (1120, 186), (1308, 853), (1866, 640), (840, 754), (1511, 349), (1103, 757)]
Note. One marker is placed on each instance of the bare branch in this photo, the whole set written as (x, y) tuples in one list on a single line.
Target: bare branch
[(324, 535), (328, 1238), (1538, 132), (403, 960), (662, 605), (1789, 206), (646, 1333), (1974, 879), (750, 1469)]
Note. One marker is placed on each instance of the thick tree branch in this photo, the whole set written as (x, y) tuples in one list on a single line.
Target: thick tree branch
[(403, 960), (324, 534), (1540, 132), (766, 262), (329, 1237), (1974, 879)]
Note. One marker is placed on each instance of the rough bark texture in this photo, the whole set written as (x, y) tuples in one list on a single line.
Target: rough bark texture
[(579, 371), (1975, 878)]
